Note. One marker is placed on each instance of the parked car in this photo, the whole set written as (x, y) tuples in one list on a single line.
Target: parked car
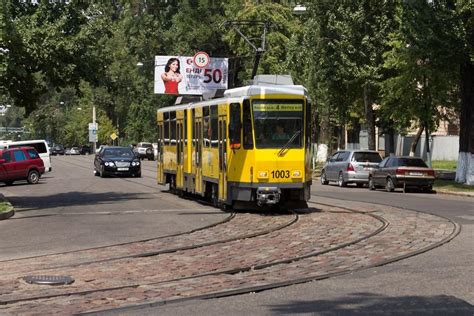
[(350, 166), (22, 163), (57, 149), (145, 150), (40, 145), (115, 160), (85, 150), (402, 172), (74, 151)]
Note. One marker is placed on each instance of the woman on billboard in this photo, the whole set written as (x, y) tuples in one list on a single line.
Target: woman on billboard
[(172, 77)]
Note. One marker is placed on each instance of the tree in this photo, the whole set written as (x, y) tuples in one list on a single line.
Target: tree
[(422, 80), (465, 167), (50, 46)]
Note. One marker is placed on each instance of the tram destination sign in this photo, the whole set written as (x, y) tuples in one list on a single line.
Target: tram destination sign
[(274, 107)]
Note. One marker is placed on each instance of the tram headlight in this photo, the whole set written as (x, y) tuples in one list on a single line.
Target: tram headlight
[(296, 174), (263, 174)]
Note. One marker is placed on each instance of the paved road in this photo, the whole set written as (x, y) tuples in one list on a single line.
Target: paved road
[(71, 209)]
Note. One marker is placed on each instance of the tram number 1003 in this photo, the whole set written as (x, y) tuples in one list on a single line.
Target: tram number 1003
[(280, 174)]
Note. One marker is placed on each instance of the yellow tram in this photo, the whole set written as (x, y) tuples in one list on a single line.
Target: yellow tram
[(252, 145)]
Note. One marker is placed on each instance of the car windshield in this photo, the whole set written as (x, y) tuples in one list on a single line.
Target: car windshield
[(410, 162), (277, 121), (146, 145), (367, 157), (118, 152)]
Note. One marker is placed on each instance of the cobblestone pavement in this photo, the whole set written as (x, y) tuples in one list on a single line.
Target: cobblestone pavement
[(240, 226), (325, 241)]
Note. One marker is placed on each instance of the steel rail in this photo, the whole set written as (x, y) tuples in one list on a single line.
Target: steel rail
[(233, 271)]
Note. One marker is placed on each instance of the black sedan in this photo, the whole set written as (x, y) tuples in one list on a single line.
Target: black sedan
[(118, 161), (402, 172)]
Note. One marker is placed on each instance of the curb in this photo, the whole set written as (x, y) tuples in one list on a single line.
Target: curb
[(438, 191), (7, 214), (455, 193)]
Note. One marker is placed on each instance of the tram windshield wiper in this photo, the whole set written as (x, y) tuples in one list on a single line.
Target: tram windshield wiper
[(289, 142)]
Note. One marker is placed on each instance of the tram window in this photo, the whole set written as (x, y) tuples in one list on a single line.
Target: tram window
[(194, 126), (247, 126), (185, 128), (235, 125), (308, 124), (166, 132), (206, 127), (173, 128), (214, 133)]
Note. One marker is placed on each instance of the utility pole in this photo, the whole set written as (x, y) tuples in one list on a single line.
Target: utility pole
[(94, 145)]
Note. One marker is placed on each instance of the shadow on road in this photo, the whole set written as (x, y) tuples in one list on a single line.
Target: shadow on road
[(33, 203), (374, 304)]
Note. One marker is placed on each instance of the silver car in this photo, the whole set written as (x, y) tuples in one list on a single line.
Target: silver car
[(350, 166)]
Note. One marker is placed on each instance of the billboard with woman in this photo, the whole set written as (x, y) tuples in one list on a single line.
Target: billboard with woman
[(187, 76)]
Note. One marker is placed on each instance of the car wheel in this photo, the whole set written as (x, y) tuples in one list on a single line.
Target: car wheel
[(428, 189), (371, 184), (340, 180), (138, 175), (102, 172), (33, 177), (324, 181), (389, 186)]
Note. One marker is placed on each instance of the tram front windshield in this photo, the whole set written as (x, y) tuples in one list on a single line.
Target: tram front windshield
[(277, 122)]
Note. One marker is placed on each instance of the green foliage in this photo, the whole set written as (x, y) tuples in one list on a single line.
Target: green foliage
[(404, 55), (423, 66), (282, 26)]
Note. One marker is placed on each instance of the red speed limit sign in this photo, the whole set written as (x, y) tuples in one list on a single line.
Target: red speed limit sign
[(201, 59)]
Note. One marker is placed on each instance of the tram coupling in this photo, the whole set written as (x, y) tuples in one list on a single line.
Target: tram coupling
[(268, 195)]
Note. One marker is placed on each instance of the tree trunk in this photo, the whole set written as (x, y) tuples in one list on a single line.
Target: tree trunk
[(324, 138), (354, 134), (391, 143), (465, 167), (370, 118), (415, 141)]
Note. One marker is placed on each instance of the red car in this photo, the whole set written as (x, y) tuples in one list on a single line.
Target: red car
[(21, 163)]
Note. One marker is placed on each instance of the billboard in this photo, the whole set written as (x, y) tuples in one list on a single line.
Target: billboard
[(190, 75)]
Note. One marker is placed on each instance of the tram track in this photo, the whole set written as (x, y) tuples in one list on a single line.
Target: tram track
[(231, 271), (128, 250), (349, 254)]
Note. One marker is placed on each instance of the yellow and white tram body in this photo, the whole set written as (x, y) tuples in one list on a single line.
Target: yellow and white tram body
[(227, 148)]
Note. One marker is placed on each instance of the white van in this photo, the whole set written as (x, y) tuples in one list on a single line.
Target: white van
[(40, 145)]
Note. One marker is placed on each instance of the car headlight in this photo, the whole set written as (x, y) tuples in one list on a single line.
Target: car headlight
[(109, 164), (135, 163)]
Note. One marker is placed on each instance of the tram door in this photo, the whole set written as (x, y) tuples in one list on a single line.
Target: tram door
[(179, 154), (222, 158), (159, 161), (198, 155)]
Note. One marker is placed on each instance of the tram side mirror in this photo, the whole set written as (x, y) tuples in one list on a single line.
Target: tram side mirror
[(235, 126)]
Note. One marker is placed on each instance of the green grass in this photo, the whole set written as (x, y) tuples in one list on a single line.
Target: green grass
[(447, 185), (444, 164)]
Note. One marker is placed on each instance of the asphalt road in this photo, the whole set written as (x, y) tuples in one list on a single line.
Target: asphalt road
[(71, 209)]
